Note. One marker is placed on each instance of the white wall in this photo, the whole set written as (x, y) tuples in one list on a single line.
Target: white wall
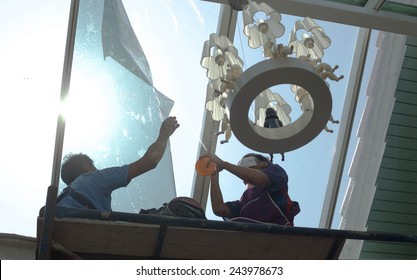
[(17, 247)]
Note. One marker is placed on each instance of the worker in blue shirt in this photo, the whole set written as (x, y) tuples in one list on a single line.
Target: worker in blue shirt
[(91, 188)]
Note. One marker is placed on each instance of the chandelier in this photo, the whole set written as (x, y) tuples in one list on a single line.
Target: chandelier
[(298, 63)]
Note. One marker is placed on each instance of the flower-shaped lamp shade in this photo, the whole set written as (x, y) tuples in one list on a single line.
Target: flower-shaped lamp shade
[(260, 31), (302, 97), (313, 41), (216, 105), (269, 99), (219, 54)]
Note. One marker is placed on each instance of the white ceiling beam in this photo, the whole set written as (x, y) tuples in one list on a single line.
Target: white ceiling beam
[(367, 17), (226, 27), (345, 131)]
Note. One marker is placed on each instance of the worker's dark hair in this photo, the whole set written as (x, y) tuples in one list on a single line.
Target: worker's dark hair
[(258, 156), (73, 166)]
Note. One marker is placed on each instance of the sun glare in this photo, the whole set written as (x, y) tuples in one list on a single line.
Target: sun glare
[(85, 110)]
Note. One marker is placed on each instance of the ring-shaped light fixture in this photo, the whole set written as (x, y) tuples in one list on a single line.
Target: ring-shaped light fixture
[(266, 74)]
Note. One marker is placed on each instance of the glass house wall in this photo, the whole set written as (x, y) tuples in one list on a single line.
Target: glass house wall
[(113, 112)]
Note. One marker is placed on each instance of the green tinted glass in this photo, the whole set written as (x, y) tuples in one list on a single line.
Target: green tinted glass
[(399, 8), (360, 3)]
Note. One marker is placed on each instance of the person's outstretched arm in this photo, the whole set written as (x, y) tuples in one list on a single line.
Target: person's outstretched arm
[(155, 151), (248, 175), (217, 203)]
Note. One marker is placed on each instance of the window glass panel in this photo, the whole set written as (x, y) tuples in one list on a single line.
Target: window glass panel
[(32, 53), (114, 112), (308, 167)]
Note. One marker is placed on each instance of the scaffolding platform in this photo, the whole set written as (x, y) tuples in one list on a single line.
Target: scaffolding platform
[(92, 234)]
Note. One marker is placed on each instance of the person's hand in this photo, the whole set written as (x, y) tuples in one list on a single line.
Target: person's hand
[(168, 127), (213, 158)]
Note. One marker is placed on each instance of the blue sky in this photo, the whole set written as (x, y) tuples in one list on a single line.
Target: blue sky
[(171, 34)]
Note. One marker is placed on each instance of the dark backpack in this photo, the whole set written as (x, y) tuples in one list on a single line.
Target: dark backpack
[(178, 207)]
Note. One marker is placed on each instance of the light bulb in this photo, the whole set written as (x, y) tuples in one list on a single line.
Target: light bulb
[(308, 42), (219, 57), (263, 27)]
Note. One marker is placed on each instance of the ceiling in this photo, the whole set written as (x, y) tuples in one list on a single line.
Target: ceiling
[(391, 16)]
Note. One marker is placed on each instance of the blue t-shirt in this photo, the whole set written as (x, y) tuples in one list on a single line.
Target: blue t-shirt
[(97, 186)]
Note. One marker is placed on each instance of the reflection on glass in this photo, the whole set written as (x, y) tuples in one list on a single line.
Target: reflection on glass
[(406, 8), (360, 3), (113, 111)]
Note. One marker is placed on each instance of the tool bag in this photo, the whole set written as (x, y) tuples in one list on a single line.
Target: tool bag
[(178, 207)]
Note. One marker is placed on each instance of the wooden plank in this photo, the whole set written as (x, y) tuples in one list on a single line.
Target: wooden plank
[(105, 237), (391, 217), (388, 250), (411, 51), (405, 108), (396, 196), (399, 175), (401, 142), (399, 164), (139, 240), (408, 74), (410, 63), (399, 119), (403, 131), (92, 234), (405, 97), (392, 227), (386, 256), (390, 247), (401, 153), (411, 41), (407, 86), (97, 239), (214, 244), (400, 186), (381, 205)]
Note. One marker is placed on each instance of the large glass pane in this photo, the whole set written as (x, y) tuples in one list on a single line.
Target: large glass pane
[(32, 48), (114, 113), (171, 35), (308, 167)]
